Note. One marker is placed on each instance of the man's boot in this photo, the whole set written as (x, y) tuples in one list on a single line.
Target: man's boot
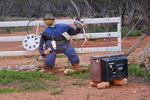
[(51, 70), (76, 67)]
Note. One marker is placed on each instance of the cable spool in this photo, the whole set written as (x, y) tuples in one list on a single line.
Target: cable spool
[(31, 42)]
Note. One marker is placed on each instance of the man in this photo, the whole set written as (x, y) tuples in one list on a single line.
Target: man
[(57, 40)]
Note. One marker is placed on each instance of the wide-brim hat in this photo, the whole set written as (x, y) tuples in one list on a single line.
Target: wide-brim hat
[(49, 16)]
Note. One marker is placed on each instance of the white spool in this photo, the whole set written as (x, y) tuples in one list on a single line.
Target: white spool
[(31, 42)]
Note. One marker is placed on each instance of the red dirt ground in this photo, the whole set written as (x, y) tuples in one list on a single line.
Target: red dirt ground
[(134, 90)]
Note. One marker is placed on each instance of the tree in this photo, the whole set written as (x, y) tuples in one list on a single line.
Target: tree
[(145, 6)]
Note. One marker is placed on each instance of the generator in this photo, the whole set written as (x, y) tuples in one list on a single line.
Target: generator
[(105, 68)]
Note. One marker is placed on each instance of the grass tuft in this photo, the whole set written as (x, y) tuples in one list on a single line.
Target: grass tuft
[(32, 86), (136, 71), (22, 81), (48, 76), (17, 29), (6, 90), (12, 76), (79, 74), (31, 76), (88, 96), (77, 83), (54, 92)]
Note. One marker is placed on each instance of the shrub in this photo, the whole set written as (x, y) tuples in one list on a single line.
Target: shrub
[(125, 31), (111, 27), (17, 29), (136, 70)]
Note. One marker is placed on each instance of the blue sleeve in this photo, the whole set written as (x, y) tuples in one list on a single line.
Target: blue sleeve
[(73, 32), (69, 27), (41, 45), (64, 27)]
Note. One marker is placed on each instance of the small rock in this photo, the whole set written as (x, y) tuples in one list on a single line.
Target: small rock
[(69, 71), (93, 83), (103, 85), (134, 91), (120, 81), (43, 70), (60, 69)]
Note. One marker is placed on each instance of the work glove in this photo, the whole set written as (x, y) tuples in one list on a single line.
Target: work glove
[(78, 24)]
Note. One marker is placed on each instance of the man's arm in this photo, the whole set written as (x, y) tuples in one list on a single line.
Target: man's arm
[(41, 45), (74, 32)]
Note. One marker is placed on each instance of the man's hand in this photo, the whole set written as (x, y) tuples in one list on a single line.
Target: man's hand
[(47, 51)]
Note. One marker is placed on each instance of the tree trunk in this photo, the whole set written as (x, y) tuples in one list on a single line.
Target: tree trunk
[(127, 53), (124, 11), (145, 14)]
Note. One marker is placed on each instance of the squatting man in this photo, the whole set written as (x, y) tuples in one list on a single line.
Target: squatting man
[(56, 39)]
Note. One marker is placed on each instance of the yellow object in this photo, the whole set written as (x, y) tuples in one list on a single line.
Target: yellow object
[(49, 21), (66, 35)]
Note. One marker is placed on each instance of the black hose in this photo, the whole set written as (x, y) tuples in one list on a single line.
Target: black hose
[(29, 33), (29, 23)]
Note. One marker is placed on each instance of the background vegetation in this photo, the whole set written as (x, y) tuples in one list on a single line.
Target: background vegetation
[(129, 10)]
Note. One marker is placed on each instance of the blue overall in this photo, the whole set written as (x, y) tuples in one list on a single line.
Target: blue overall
[(63, 45)]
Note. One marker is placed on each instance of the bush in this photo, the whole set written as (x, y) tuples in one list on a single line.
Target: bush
[(141, 22), (124, 31), (136, 70), (8, 29), (17, 29), (110, 27)]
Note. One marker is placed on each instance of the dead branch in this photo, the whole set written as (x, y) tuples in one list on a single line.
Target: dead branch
[(127, 53), (76, 8)]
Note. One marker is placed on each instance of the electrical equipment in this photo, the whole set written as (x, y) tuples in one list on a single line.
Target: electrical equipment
[(107, 68)]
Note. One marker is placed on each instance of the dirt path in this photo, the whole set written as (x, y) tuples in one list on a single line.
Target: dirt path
[(131, 91)]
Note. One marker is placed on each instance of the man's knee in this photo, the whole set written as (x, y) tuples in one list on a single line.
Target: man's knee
[(49, 63), (50, 60), (74, 60)]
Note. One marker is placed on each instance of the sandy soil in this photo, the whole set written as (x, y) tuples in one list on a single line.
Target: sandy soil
[(134, 90)]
